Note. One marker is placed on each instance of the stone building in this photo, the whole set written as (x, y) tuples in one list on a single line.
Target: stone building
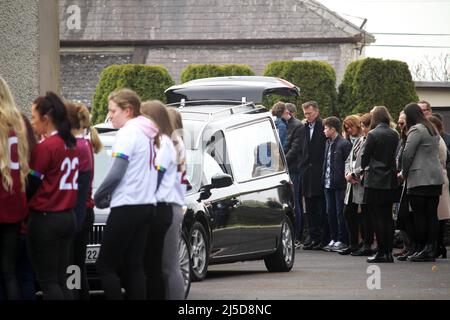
[(176, 33)]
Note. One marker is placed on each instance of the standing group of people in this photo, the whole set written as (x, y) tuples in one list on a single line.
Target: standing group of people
[(47, 169), (47, 210), (346, 185), (145, 190)]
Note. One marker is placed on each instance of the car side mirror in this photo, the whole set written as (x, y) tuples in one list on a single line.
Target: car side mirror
[(221, 181), (217, 181)]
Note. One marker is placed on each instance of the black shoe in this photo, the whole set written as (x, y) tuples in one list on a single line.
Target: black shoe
[(426, 255), (380, 257), (363, 252), (346, 251), (309, 246), (319, 246), (405, 256)]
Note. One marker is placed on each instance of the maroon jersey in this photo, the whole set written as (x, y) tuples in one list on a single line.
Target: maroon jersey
[(57, 167), (13, 208), (90, 201)]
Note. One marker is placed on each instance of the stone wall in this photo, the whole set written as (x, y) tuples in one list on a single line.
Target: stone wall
[(175, 59), (80, 73), (19, 49)]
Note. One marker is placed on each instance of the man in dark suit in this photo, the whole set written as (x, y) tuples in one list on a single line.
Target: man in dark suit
[(311, 165), (293, 156)]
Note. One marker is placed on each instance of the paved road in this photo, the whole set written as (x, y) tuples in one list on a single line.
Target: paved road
[(323, 275)]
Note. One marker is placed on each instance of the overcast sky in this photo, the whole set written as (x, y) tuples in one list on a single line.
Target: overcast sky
[(400, 16)]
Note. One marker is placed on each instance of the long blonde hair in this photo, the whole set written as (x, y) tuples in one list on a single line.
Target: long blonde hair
[(11, 120), (177, 137), (80, 118)]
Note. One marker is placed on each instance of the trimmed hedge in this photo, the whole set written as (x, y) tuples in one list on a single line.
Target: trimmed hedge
[(149, 82), (198, 71), (376, 82), (316, 79), (345, 103)]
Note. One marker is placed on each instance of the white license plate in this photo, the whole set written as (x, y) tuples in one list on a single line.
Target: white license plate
[(92, 254)]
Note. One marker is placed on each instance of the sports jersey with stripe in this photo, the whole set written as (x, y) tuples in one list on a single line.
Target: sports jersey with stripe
[(13, 202), (139, 181), (166, 162), (181, 180), (57, 167)]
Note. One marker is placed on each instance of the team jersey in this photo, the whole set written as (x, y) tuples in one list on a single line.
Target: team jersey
[(139, 181), (181, 180), (57, 166), (166, 162), (13, 208), (84, 154)]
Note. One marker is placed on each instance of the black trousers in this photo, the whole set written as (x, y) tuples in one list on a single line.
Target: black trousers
[(358, 224), (426, 225), (123, 248), (50, 237), (317, 219), (9, 253), (79, 253), (381, 215), (154, 251)]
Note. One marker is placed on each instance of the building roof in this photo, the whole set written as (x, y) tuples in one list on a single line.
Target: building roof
[(432, 84), (203, 20)]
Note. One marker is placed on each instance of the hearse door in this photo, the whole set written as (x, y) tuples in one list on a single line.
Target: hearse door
[(223, 202), (260, 173)]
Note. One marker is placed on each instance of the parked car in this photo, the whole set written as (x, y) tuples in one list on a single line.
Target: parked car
[(240, 202)]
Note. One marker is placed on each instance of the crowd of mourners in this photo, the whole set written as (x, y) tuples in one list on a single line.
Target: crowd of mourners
[(348, 188), (46, 211), (358, 181)]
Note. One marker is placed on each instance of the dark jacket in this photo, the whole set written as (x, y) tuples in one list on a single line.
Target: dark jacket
[(282, 129), (379, 155), (293, 146), (340, 149), (311, 165)]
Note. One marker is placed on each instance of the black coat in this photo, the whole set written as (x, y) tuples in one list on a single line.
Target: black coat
[(340, 149), (311, 165), (293, 149), (379, 154)]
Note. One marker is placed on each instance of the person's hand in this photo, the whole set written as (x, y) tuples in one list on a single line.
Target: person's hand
[(400, 177), (349, 177), (102, 203)]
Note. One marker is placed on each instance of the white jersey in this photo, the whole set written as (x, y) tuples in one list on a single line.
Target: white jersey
[(138, 184), (181, 182), (166, 162)]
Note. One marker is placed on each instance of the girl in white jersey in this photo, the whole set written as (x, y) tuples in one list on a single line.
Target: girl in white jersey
[(166, 164), (129, 189)]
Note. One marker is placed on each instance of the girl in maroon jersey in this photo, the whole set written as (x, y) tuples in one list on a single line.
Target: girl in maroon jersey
[(13, 172), (52, 193), (79, 118)]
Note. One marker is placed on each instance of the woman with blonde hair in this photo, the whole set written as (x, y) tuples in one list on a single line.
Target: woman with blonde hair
[(351, 128), (13, 172)]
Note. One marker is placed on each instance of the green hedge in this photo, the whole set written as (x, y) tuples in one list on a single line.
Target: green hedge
[(377, 82), (316, 79), (198, 71), (345, 102), (149, 82)]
